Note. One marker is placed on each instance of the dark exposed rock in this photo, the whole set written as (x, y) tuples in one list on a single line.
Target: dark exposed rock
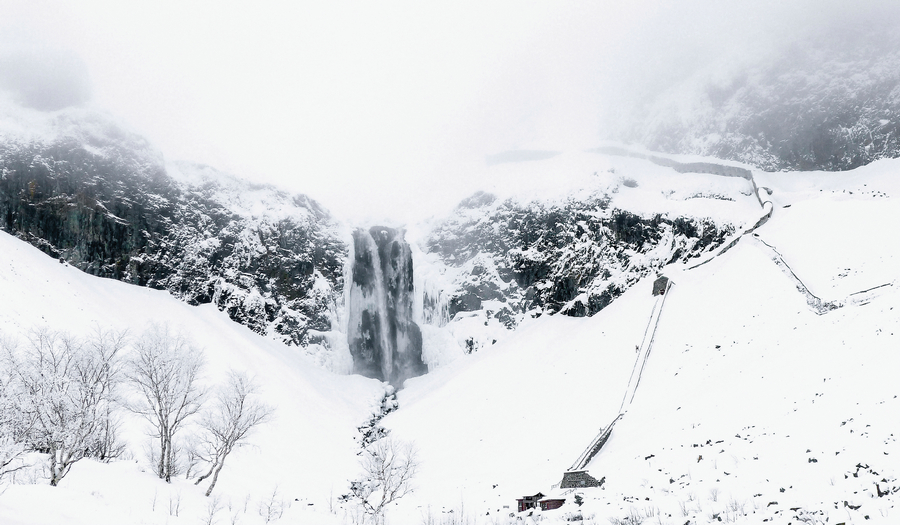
[(103, 201), (580, 479), (468, 301), (574, 258)]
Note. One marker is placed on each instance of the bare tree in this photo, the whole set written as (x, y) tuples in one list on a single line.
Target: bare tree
[(12, 455), (106, 445), (13, 425), (165, 369), (65, 394), (229, 423), (389, 467), (271, 508), (102, 370)]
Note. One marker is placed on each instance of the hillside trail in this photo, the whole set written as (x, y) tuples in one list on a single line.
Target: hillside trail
[(762, 194), (637, 370), (643, 354)]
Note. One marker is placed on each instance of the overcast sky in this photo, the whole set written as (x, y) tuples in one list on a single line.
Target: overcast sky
[(391, 103)]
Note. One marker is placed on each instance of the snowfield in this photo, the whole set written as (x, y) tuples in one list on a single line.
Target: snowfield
[(314, 410), (752, 406)]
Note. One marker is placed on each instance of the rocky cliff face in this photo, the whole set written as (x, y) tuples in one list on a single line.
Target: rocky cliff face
[(103, 200), (574, 258), (384, 340)]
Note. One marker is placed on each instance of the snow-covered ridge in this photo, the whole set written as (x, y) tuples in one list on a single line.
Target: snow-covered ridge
[(242, 197), (752, 407), (573, 249), (316, 412), (747, 391), (101, 198), (830, 102)]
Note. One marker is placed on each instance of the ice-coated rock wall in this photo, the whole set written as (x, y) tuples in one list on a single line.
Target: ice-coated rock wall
[(384, 340), (84, 190)]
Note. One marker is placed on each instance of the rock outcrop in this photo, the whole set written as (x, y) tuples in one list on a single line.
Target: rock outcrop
[(103, 200), (572, 258)]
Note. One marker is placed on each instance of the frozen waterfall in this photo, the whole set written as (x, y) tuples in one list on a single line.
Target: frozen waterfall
[(384, 340)]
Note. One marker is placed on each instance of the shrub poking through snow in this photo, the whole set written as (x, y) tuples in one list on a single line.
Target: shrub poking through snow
[(236, 413), (389, 467)]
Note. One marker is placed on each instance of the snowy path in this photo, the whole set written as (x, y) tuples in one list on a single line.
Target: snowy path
[(643, 355), (817, 304), (644, 350), (650, 332), (763, 194)]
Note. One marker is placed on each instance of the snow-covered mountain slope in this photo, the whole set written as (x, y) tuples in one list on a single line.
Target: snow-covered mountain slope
[(565, 233), (827, 101), (307, 451), (752, 406), (743, 378), (83, 189), (570, 234)]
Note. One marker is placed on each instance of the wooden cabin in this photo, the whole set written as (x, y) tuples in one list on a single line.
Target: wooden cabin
[(551, 503), (529, 502)]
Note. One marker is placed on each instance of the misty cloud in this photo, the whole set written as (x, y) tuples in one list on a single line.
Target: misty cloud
[(46, 80), (520, 156), (777, 85), (381, 102)]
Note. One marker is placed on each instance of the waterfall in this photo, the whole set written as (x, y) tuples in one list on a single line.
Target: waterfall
[(384, 340)]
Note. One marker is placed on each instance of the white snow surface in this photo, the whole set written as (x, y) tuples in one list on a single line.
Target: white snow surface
[(582, 175), (309, 442), (259, 201), (752, 407)]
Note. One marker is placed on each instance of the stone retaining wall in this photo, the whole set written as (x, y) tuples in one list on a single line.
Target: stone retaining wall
[(579, 478)]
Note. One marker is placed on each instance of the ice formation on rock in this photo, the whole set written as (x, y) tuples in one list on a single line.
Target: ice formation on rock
[(384, 340)]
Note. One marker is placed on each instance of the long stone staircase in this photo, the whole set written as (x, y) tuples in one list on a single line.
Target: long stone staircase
[(576, 476)]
